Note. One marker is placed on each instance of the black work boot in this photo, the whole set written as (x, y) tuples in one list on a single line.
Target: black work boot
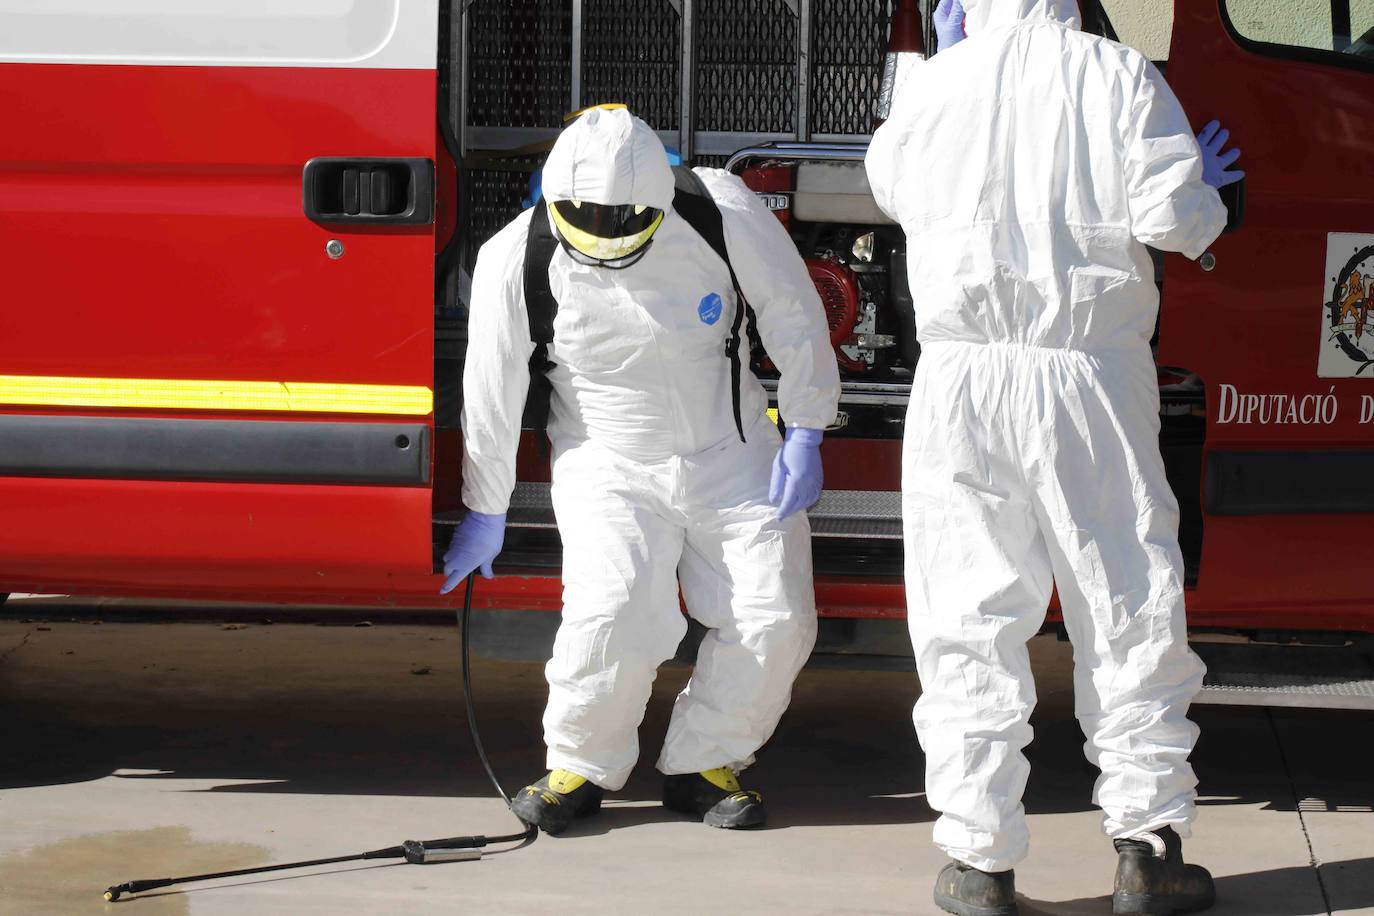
[(1152, 879), (552, 802), (966, 891), (715, 796)]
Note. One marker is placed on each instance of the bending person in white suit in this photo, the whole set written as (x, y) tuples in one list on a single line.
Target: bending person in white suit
[(666, 468)]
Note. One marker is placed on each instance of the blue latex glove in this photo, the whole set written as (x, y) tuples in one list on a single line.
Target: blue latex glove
[(797, 477), (476, 543), (949, 24), (1214, 162)]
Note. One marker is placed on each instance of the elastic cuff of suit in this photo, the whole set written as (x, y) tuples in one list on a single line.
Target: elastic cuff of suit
[(474, 502), (1182, 826), (691, 763), (990, 866), (982, 862), (734, 767)]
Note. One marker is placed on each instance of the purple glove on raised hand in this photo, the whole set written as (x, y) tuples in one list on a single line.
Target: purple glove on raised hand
[(949, 24), (476, 543), (797, 478), (1214, 162)]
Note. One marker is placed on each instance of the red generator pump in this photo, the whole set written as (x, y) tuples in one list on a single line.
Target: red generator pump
[(837, 285), (839, 291)]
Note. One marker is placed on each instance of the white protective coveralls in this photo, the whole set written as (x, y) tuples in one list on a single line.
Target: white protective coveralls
[(652, 486), (1029, 166)]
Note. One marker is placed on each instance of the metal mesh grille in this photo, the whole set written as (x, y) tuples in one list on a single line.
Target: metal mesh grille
[(848, 38), (519, 72), (632, 53), (746, 66), (520, 60), (495, 199)]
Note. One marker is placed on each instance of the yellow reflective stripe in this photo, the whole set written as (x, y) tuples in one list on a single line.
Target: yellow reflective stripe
[(197, 394)]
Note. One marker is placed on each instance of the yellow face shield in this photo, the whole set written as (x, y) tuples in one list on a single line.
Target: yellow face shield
[(602, 234)]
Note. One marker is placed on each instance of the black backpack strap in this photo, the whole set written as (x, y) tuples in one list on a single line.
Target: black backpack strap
[(540, 307), (694, 203)]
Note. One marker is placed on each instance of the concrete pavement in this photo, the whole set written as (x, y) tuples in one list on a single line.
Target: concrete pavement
[(137, 750)]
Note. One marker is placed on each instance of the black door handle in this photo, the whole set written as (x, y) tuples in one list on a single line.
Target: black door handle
[(368, 190), (1233, 196)]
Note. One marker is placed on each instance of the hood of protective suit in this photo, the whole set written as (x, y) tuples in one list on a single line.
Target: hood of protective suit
[(608, 156), (985, 14)]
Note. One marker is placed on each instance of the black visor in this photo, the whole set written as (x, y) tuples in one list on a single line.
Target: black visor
[(607, 221), (604, 233)]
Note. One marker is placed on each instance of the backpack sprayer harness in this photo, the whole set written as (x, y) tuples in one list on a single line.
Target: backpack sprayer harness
[(693, 203)]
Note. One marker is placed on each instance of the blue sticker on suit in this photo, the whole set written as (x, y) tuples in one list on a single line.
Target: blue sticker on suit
[(709, 308)]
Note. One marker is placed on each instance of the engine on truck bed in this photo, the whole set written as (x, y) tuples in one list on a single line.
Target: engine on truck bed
[(855, 254)]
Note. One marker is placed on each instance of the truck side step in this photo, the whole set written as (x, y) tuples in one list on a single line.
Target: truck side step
[(866, 514), (1313, 677)]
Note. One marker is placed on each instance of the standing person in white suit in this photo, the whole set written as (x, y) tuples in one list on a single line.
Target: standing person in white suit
[(1029, 166), (666, 471)]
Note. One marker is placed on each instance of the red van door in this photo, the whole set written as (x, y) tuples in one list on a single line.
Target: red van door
[(216, 344), (1278, 318)]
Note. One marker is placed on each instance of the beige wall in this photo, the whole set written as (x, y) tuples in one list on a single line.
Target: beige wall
[(1306, 23), (1146, 24)]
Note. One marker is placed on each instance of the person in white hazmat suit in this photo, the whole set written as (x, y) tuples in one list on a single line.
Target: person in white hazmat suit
[(1029, 166), (654, 485)]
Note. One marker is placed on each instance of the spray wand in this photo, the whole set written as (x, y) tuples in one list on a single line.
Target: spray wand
[(414, 852)]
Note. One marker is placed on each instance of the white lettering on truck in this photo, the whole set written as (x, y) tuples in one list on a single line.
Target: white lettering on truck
[(1284, 409)]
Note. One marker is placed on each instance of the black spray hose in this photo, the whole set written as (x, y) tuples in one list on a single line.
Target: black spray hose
[(415, 852), (531, 831)]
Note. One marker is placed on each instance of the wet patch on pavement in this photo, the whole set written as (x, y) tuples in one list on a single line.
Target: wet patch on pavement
[(69, 877)]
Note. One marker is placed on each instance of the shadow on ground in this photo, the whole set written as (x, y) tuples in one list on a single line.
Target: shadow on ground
[(266, 709), (260, 710), (1236, 894)]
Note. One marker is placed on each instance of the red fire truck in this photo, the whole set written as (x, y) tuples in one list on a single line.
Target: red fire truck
[(236, 240)]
